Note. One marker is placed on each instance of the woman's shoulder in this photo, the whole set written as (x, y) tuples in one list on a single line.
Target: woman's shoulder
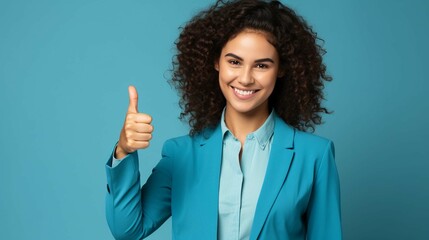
[(185, 146), (189, 140), (310, 144), (303, 143), (178, 141), (311, 138), (302, 138)]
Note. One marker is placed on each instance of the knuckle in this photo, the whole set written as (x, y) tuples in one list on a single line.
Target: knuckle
[(128, 126), (147, 129), (128, 135)]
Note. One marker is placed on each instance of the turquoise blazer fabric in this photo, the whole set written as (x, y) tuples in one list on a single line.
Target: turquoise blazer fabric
[(299, 199)]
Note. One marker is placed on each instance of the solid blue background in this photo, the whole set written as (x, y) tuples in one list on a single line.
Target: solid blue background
[(64, 71)]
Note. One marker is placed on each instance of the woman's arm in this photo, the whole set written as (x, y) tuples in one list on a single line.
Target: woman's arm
[(324, 210), (133, 212)]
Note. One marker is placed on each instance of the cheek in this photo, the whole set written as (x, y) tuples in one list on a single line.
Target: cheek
[(226, 76), (272, 83), (268, 80), (223, 83)]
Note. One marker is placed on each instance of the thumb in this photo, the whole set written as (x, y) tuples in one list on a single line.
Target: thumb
[(132, 107)]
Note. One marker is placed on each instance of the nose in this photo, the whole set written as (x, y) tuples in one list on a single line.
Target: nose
[(246, 77)]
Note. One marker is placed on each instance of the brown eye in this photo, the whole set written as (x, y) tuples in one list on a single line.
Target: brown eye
[(234, 62), (262, 66)]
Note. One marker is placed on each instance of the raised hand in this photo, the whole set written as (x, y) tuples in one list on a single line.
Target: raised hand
[(137, 130)]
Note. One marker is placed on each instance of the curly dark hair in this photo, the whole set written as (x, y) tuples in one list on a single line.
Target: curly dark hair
[(297, 95)]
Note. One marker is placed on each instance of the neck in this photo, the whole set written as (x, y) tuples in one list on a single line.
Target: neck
[(241, 124)]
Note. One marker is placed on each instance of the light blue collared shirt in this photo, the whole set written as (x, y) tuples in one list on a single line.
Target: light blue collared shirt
[(241, 180)]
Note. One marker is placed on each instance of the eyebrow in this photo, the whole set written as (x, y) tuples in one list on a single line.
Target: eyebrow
[(256, 61)]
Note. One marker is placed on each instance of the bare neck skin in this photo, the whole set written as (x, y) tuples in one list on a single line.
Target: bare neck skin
[(241, 124)]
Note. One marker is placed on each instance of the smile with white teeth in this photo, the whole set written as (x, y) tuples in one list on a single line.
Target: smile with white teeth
[(244, 92)]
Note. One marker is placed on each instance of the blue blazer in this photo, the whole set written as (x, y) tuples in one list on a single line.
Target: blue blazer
[(299, 199)]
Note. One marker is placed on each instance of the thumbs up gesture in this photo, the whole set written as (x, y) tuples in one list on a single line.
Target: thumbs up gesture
[(137, 130)]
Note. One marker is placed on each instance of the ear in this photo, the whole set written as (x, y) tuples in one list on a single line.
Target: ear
[(216, 65)]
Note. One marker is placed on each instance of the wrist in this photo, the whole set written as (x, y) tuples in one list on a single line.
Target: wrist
[(120, 152)]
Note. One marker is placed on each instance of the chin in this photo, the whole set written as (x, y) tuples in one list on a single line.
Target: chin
[(248, 109)]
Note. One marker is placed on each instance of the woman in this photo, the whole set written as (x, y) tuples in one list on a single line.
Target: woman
[(250, 74)]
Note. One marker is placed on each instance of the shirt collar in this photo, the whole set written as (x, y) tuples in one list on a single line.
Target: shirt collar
[(262, 134)]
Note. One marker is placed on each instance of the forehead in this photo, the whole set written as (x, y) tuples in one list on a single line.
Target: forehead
[(250, 43)]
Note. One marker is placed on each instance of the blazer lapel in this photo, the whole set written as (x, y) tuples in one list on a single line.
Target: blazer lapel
[(210, 152), (281, 157)]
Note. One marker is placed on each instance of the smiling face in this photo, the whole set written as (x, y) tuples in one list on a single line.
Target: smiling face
[(248, 68)]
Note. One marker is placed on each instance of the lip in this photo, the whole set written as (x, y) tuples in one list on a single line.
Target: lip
[(244, 94)]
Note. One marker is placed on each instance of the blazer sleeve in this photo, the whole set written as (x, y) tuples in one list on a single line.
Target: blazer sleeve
[(133, 212), (324, 210)]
